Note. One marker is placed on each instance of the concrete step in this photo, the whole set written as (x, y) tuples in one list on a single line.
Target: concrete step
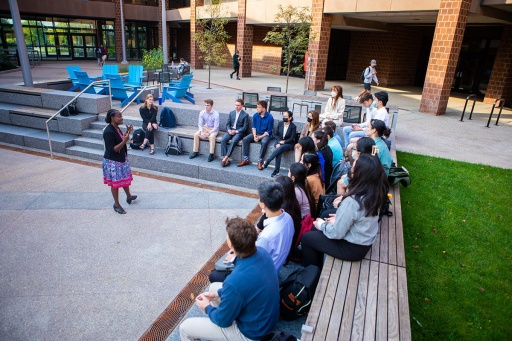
[(198, 168), (35, 138), (93, 133), (90, 142)]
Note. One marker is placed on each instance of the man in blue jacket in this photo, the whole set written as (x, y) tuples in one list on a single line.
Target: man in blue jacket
[(262, 125), (246, 306)]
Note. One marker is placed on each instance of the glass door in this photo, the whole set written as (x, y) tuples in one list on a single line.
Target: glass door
[(90, 45), (78, 46), (63, 48)]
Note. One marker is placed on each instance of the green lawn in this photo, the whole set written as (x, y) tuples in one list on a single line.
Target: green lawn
[(457, 220)]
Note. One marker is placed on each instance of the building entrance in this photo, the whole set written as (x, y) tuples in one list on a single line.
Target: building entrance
[(83, 45)]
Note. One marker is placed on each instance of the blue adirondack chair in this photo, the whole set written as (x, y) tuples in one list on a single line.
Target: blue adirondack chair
[(84, 80), (135, 76), (72, 76), (121, 91), (179, 90)]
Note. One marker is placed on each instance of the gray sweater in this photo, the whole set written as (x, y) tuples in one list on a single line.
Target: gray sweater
[(351, 224)]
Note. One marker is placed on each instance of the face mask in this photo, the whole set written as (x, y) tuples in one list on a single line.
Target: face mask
[(354, 157), (285, 119), (333, 94), (310, 119)]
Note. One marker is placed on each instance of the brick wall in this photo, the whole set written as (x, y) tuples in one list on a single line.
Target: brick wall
[(319, 46), (396, 53), (448, 35), (500, 83), (195, 61), (118, 34), (184, 41), (244, 40), (265, 55)]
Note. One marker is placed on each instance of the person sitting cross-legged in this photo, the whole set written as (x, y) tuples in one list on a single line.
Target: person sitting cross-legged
[(246, 306), (285, 136), (237, 128), (262, 125), (208, 124)]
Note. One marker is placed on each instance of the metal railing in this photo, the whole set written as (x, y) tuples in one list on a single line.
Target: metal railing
[(138, 94), (71, 101), (465, 105), (502, 104)]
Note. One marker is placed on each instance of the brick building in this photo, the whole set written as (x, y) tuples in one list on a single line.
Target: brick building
[(440, 45)]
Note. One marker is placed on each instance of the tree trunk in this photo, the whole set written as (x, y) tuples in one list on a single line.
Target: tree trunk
[(287, 77)]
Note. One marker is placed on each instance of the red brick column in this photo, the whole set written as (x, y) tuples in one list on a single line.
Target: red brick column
[(244, 39), (118, 33), (195, 61), (318, 47), (500, 83), (450, 26)]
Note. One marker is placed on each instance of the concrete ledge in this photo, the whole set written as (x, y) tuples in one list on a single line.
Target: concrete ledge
[(35, 138)]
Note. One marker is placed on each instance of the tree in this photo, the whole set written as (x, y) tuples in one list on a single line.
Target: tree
[(292, 32), (211, 37)]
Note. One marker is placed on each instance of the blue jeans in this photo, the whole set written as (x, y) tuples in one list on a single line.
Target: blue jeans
[(250, 139), (348, 134)]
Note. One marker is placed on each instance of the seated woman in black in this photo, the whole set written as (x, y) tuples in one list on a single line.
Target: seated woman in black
[(285, 136), (349, 235), (324, 154), (148, 113)]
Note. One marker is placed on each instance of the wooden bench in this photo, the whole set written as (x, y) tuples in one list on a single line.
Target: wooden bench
[(365, 300)]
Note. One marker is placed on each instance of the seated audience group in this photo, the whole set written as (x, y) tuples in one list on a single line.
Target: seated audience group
[(243, 303)]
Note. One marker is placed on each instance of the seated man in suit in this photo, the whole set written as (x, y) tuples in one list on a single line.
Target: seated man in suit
[(262, 126), (285, 136), (237, 128)]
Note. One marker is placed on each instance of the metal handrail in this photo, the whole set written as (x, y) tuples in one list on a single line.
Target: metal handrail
[(502, 104), (465, 105), (71, 101), (138, 94)]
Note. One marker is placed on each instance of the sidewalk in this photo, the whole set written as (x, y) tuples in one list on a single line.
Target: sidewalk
[(442, 136)]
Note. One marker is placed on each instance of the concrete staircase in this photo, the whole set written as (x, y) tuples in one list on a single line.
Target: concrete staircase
[(82, 136)]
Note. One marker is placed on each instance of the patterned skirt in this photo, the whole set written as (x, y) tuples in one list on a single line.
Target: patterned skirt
[(117, 174)]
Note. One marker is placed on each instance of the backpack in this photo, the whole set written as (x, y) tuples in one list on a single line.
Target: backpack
[(70, 110), (173, 145), (297, 292), (384, 209), (363, 76), (399, 175), (295, 254), (137, 139), (167, 119), (278, 336)]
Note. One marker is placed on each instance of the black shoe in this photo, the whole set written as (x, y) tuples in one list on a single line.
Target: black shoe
[(119, 209), (211, 157), (193, 155), (231, 75), (238, 78), (129, 200), (265, 164), (275, 174)]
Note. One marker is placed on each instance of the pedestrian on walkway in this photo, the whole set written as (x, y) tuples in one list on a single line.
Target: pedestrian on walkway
[(104, 54), (98, 51), (116, 167), (369, 75), (236, 65)]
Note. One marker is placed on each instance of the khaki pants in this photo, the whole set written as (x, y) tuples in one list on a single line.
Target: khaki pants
[(203, 328), (211, 138)]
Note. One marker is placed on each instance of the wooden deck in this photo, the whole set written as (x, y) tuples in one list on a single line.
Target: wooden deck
[(365, 300)]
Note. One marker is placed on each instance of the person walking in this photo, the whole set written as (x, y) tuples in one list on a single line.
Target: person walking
[(236, 65), (104, 54), (116, 168), (98, 51), (369, 75)]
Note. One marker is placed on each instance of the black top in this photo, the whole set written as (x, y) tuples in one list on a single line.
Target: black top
[(289, 138), (112, 138), (148, 115)]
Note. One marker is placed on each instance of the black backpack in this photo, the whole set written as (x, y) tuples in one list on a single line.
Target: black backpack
[(167, 119), (362, 74), (173, 146), (297, 292), (278, 336), (137, 139)]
